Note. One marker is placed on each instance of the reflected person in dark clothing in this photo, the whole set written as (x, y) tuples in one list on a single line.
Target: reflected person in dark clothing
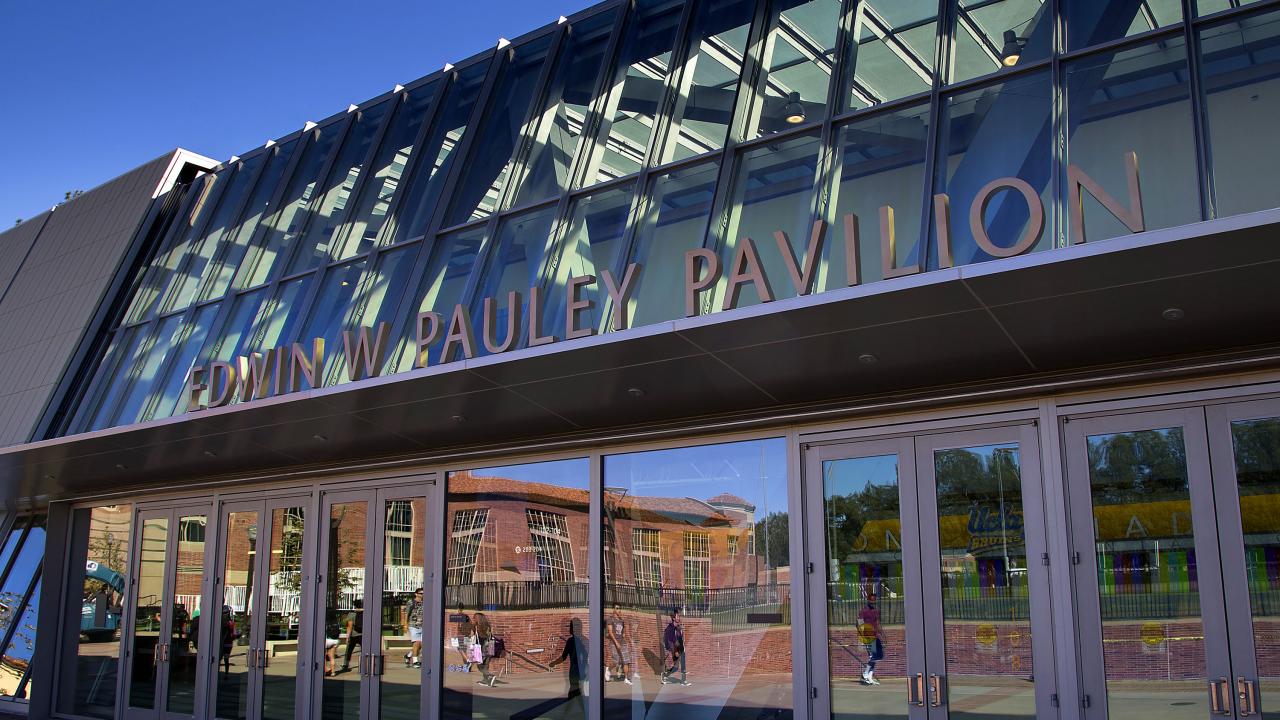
[(355, 632), (575, 651)]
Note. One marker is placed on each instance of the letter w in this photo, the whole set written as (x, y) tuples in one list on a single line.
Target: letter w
[(254, 372), (367, 355)]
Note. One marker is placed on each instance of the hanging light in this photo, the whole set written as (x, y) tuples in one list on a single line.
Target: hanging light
[(793, 111), (1011, 53)]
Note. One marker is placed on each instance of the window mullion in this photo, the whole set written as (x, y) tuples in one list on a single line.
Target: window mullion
[(389, 228), (254, 245), (671, 83), (532, 121), (591, 128), (233, 225), (346, 129), (342, 225)]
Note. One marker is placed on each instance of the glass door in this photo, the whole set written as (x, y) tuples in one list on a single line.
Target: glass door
[(985, 585), (344, 622), (865, 580), (373, 556), (928, 577), (400, 611), (163, 649), (258, 619), (1153, 631), (1245, 447)]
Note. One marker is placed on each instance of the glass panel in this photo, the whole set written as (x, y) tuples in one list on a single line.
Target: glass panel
[(480, 190), (164, 336), (986, 603), (315, 245), (163, 269), (629, 115), (284, 613), (891, 51), (881, 163), (330, 314), (292, 210), (1137, 101), (697, 566), (773, 191), (453, 257), (166, 392), (799, 59), (370, 213), (438, 152), (1152, 635), (148, 599), (993, 35), (866, 597), (403, 560), (708, 85), (188, 574), (1205, 7), (998, 131), (376, 301), (1241, 78), (344, 609), (1092, 23), (235, 244), (515, 595), (229, 343), (125, 352), (19, 617), (277, 320), (15, 663), (555, 144), (515, 262), (593, 242), (677, 222), (1256, 445), (89, 684), (215, 233), (235, 619)]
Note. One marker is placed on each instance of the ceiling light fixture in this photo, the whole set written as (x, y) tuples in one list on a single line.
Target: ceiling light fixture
[(635, 392), (1173, 314), (793, 111), (1011, 53), (867, 359)]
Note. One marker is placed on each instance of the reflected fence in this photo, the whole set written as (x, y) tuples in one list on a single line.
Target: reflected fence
[(750, 605), (844, 602)]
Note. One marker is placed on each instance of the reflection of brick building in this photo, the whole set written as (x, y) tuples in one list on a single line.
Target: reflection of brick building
[(518, 551)]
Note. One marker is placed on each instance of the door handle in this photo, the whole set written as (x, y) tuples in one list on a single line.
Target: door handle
[(1218, 702), (937, 690), (264, 658), (377, 664), (915, 690), (1247, 693)]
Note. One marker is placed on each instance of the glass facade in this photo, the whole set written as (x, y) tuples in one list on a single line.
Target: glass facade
[(804, 146), (21, 566)]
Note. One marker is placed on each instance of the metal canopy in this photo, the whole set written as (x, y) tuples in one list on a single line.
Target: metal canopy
[(1069, 309)]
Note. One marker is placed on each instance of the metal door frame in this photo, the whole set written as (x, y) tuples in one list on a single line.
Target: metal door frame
[(421, 489), (1026, 438), (1235, 576), (172, 512), (218, 592), (328, 498), (818, 565), (1083, 542)]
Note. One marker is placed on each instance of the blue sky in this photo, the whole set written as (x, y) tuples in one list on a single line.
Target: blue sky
[(89, 90)]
